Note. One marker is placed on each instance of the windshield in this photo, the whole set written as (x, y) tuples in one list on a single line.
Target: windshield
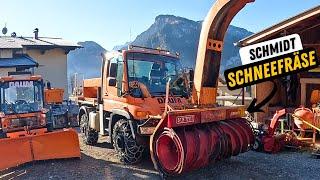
[(152, 70), (21, 97)]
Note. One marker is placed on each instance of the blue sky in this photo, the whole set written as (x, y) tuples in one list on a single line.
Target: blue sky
[(108, 22)]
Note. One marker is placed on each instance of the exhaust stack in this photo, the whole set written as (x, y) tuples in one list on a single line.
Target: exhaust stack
[(36, 33)]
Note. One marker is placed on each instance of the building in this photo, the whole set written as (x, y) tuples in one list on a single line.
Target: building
[(42, 55), (296, 90)]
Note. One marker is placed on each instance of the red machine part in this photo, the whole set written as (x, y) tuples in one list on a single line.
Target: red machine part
[(274, 144), (271, 142), (188, 148)]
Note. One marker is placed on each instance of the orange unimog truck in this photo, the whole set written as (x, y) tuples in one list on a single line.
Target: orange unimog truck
[(142, 99), (25, 135)]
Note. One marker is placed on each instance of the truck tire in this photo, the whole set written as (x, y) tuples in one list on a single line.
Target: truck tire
[(89, 136), (129, 151)]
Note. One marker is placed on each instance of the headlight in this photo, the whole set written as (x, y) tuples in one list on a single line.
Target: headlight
[(142, 114), (242, 112), (2, 115)]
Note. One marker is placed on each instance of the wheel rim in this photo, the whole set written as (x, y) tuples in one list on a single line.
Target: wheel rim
[(126, 145), (121, 137), (120, 142)]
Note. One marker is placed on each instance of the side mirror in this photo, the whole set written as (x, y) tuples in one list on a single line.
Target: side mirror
[(113, 70), (112, 82)]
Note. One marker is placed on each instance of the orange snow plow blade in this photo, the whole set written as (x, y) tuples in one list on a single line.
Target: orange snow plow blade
[(56, 145), (52, 145), (14, 152)]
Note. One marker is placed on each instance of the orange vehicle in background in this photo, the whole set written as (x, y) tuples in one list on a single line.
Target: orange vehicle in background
[(25, 135), (144, 100), (53, 95), (62, 114)]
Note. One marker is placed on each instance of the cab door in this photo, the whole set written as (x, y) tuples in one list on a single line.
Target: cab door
[(114, 81)]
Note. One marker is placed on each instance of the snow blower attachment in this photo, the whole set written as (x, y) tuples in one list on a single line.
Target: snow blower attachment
[(187, 141), (189, 138), (24, 136), (267, 140)]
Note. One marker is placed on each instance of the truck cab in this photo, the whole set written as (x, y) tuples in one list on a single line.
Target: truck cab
[(136, 80), (21, 104), (130, 96), (26, 135)]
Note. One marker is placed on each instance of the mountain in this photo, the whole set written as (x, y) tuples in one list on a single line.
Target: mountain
[(123, 46), (169, 32), (86, 61), (179, 34)]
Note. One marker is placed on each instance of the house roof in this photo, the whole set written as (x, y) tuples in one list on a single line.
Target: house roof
[(19, 60), (280, 27), (7, 42)]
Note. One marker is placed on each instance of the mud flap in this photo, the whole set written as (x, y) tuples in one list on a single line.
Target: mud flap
[(53, 145)]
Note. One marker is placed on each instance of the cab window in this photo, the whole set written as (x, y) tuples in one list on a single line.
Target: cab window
[(116, 71)]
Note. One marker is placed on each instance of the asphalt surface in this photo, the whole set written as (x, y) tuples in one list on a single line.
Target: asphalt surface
[(100, 162)]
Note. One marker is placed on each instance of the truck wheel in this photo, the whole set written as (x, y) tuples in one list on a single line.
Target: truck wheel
[(129, 151), (89, 136)]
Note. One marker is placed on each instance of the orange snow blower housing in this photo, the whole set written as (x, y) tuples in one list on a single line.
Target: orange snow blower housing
[(24, 136)]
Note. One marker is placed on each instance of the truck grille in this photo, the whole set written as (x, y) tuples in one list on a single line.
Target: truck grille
[(23, 122)]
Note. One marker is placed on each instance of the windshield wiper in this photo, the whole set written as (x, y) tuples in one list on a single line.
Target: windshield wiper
[(158, 93)]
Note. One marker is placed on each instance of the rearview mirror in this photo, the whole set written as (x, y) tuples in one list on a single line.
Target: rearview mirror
[(112, 82), (191, 77), (113, 70)]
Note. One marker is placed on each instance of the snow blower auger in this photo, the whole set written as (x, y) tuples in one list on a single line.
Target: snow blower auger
[(24, 132), (189, 138), (186, 141)]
